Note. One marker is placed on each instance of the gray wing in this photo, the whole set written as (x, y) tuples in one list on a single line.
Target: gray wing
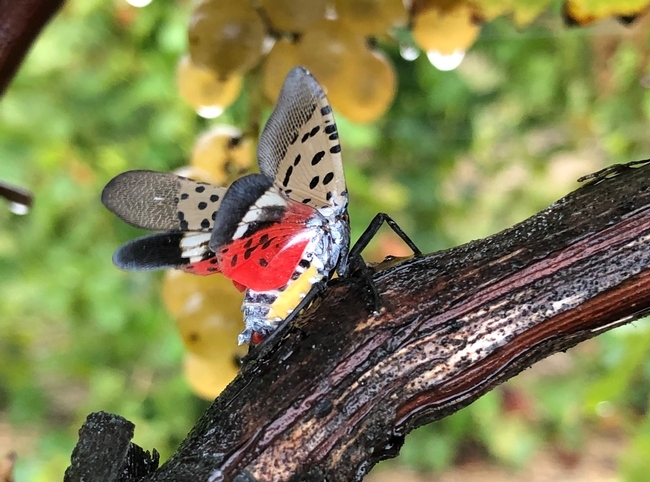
[(162, 202)]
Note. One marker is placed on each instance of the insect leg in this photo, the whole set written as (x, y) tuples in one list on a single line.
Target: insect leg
[(356, 260), (372, 229)]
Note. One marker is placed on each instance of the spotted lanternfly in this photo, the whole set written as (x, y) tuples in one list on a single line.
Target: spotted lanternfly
[(277, 234)]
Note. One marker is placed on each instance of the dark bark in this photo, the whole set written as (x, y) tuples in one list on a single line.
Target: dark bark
[(339, 390), (16, 194), (20, 23), (105, 452)]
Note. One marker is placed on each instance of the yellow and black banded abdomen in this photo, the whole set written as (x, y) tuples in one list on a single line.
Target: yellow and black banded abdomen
[(294, 292)]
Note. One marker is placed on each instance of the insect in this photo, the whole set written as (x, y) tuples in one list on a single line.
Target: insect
[(278, 235)]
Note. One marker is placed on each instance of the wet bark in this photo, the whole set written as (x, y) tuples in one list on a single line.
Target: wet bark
[(339, 389)]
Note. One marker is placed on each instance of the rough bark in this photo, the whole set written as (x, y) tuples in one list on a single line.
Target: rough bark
[(340, 388), (105, 452)]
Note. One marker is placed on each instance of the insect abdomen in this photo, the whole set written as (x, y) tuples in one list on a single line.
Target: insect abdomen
[(265, 311)]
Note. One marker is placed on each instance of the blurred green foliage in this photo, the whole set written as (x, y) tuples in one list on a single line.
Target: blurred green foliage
[(460, 155)]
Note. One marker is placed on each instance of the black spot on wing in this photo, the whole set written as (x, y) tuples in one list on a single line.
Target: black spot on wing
[(314, 182), (335, 149), (331, 132), (205, 223), (297, 160), (262, 262), (202, 205), (214, 198), (317, 157), (328, 178), (287, 176), (327, 110), (200, 189)]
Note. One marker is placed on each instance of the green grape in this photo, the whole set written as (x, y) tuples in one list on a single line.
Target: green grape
[(294, 15), (209, 376), (207, 312), (280, 60), (371, 17), (445, 31), (226, 36), (201, 88), (328, 49), (366, 88), (224, 153)]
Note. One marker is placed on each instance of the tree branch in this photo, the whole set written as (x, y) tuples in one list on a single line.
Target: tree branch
[(20, 23), (339, 389)]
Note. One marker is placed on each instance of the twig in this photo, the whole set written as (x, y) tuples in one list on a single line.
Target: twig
[(339, 390)]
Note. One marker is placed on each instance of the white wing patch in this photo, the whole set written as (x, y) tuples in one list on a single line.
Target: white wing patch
[(195, 246), (270, 199)]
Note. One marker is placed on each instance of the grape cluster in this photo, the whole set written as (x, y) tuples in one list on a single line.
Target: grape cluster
[(207, 308), (228, 38), (208, 318), (335, 40)]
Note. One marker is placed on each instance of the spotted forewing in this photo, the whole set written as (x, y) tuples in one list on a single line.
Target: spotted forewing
[(299, 148), (301, 173), (160, 202), (182, 207)]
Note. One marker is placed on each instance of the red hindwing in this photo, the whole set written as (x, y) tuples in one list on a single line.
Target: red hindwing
[(266, 260)]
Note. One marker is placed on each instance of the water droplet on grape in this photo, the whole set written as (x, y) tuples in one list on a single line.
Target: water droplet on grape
[(408, 53), (446, 62), (209, 111), (138, 3)]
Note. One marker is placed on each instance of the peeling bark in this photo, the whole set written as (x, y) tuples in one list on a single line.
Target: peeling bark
[(340, 388)]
